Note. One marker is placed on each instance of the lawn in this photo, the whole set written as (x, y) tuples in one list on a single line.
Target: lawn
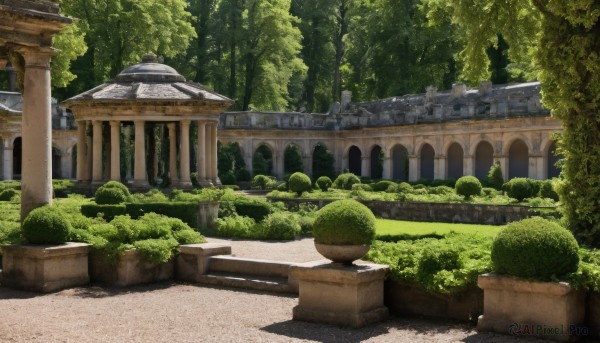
[(387, 227)]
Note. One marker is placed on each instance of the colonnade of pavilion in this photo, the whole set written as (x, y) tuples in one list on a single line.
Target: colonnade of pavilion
[(90, 163)]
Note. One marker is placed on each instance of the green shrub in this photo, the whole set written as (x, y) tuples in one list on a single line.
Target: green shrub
[(157, 250), (282, 187), (46, 225), (443, 182), (186, 211), (323, 183), (16, 185), (344, 222), (243, 175), (468, 186), (108, 212), (62, 188), (489, 191), (153, 195), (8, 194), (345, 181), (440, 190), (299, 183), (435, 259), (234, 226), (228, 178), (280, 226), (383, 185), (188, 237), (404, 188), (112, 192), (521, 188), (253, 208), (263, 182), (494, 178), (361, 187), (535, 248), (547, 190)]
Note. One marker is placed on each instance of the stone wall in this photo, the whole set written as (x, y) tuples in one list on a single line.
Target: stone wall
[(434, 212)]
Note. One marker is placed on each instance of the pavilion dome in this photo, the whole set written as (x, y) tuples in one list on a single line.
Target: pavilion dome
[(149, 70), (149, 81)]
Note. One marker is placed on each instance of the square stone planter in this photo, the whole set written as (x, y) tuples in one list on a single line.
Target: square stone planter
[(406, 299), (592, 314), (340, 295), (45, 268), (550, 310), (129, 269)]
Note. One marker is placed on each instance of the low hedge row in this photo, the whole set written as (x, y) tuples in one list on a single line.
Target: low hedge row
[(186, 211)]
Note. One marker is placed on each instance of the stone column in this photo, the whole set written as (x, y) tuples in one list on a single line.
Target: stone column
[(115, 150), (468, 167), (387, 167), (213, 153), (201, 151), (365, 167), (184, 158), (65, 162), (7, 160), (36, 128), (97, 152), (536, 167), (173, 154), (207, 153), (81, 159), (439, 167), (88, 151), (413, 168), (140, 181)]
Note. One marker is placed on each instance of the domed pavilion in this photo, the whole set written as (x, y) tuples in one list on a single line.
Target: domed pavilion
[(144, 95)]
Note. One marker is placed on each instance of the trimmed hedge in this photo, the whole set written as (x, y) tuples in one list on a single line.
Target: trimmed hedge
[(521, 188), (255, 209), (535, 248), (112, 192), (324, 182), (345, 181), (186, 211), (383, 185), (7, 194)]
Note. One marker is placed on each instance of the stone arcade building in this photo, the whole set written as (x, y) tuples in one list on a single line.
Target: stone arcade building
[(435, 135)]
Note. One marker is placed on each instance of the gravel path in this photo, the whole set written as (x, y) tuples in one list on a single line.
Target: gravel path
[(172, 312)]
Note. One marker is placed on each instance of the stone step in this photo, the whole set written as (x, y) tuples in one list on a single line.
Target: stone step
[(245, 281), (237, 265)]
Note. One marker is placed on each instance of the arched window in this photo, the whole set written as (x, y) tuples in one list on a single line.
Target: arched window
[(455, 161), (376, 162), (399, 163), (427, 162), (355, 160), (484, 158), (518, 160)]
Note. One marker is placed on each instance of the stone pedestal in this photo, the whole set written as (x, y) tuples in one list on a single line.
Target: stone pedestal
[(192, 261), (129, 269), (551, 310), (45, 268), (341, 295)]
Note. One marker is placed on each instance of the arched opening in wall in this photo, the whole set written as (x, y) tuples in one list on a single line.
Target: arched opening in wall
[(17, 153), (355, 160), (376, 162), (427, 158), (484, 158), (262, 161), (455, 161), (399, 163), (322, 162), (553, 157), (518, 160), (74, 162), (292, 160), (56, 167)]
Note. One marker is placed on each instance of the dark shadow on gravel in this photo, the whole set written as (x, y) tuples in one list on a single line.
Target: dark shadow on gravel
[(101, 291), (8, 293), (490, 337), (333, 334)]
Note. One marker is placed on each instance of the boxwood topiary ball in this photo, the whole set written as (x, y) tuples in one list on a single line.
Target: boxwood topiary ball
[(299, 182), (468, 186), (535, 248), (111, 193), (344, 222), (45, 225)]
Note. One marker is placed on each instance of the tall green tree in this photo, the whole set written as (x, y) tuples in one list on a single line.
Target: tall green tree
[(394, 50), (318, 27), (566, 40), (119, 32)]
